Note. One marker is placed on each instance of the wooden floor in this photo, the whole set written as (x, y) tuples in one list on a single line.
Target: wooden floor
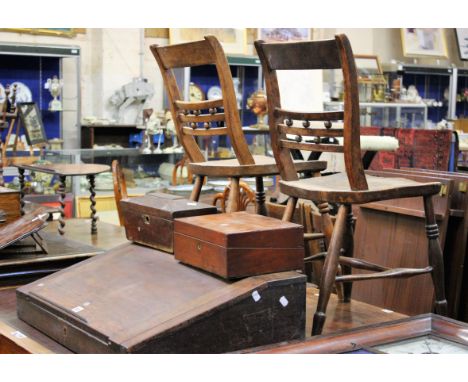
[(340, 315)]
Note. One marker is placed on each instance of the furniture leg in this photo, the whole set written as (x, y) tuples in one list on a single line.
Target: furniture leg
[(349, 251), (289, 210), (91, 180), (197, 186), (63, 194), (234, 192), (260, 207), (436, 260), (22, 187), (330, 268)]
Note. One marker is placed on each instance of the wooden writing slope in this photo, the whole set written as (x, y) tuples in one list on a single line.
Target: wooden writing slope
[(134, 299)]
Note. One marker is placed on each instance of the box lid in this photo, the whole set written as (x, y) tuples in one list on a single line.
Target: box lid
[(242, 230), (5, 190), (166, 206)]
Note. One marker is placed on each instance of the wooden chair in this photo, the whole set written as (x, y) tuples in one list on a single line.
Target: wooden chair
[(120, 187), (194, 119), (246, 197), (351, 187)]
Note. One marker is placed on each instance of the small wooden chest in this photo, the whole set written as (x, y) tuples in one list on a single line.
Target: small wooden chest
[(239, 244), (149, 218), (10, 204)]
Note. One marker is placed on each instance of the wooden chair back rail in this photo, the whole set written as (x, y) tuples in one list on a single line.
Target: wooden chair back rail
[(328, 54), (302, 55), (207, 51), (200, 105), (201, 118), (322, 147), (310, 132), (188, 54), (316, 116), (205, 131)]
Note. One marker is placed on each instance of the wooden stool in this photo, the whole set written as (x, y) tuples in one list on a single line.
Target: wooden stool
[(351, 187), (203, 118)]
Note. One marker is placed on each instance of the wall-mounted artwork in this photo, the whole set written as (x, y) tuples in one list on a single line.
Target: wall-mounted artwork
[(233, 40), (32, 123), (419, 42), (462, 42), (284, 34), (61, 32)]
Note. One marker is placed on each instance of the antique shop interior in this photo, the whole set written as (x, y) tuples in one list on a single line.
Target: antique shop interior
[(237, 190)]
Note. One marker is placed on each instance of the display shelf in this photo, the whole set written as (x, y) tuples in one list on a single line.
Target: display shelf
[(388, 114), (32, 65)]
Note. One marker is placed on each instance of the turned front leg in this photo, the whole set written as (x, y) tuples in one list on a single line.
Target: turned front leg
[(197, 187), (436, 260), (91, 180), (234, 194), (330, 267), (349, 251), (260, 207)]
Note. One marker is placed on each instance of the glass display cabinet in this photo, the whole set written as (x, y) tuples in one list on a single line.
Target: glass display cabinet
[(388, 114)]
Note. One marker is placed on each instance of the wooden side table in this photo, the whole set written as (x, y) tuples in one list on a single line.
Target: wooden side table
[(62, 171)]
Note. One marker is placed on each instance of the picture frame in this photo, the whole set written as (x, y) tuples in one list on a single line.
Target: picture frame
[(233, 40), (461, 35), (369, 69), (60, 32), (421, 334), (31, 119), (284, 34), (424, 42)]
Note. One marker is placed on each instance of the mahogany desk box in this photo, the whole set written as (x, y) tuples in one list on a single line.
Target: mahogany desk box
[(134, 299), (239, 244), (10, 203), (149, 219)]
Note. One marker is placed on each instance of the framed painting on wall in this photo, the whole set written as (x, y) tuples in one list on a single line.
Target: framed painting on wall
[(284, 34), (369, 69), (462, 42), (32, 122), (234, 41), (61, 32), (420, 42)]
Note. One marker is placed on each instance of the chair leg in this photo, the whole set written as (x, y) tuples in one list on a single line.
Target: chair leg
[(260, 207), (330, 268), (349, 251), (234, 193), (289, 210), (197, 186), (436, 260)]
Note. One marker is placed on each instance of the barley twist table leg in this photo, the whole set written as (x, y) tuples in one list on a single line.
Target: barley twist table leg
[(63, 194), (22, 187), (91, 181)]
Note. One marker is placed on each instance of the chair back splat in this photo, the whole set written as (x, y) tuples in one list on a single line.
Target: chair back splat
[(307, 55), (204, 117)]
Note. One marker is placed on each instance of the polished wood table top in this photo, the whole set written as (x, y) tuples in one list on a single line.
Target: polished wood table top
[(67, 169)]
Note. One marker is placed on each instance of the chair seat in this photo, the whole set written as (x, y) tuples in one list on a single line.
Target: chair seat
[(263, 166), (335, 188)]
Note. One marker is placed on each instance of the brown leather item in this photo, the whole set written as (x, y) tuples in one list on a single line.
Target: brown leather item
[(239, 244), (149, 219), (134, 299)]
